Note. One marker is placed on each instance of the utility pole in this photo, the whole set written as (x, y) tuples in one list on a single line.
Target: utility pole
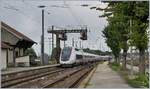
[(49, 45), (100, 44), (64, 44), (58, 49), (52, 38), (76, 44), (80, 44), (52, 41), (72, 42), (42, 37)]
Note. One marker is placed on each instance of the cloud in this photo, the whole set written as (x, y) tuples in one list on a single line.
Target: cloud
[(27, 19)]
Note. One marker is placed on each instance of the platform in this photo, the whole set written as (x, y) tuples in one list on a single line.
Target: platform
[(19, 69), (105, 77)]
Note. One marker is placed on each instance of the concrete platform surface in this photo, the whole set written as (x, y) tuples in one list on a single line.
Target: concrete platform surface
[(105, 77), (19, 69)]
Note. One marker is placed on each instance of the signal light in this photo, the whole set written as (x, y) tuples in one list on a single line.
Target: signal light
[(83, 36), (63, 36)]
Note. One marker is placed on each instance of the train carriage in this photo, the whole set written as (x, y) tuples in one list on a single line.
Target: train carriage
[(70, 57)]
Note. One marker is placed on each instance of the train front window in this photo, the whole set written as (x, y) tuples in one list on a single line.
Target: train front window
[(66, 52), (79, 57)]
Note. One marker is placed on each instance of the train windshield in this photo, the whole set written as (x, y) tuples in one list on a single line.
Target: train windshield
[(66, 52)]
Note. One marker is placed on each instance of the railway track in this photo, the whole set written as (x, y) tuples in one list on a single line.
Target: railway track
[(24, 73), (47, 78), (8, 80), (71, 81)]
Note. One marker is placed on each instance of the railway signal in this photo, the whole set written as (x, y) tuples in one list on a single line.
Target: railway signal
[(61, 35), (83, 36)]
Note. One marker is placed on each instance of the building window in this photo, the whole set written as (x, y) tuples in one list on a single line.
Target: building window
[(17, 53)]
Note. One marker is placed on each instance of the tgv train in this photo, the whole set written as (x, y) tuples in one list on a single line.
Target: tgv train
[(69, 57)]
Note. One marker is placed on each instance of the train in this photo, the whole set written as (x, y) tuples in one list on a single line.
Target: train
[(70, 57)]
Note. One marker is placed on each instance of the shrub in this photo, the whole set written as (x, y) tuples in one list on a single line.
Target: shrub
[(115, 66), (139, 81)]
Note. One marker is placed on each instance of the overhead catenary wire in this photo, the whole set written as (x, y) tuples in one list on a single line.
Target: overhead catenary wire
[(14, 8), (32, 6), (72, 13), (77, 18), (70, 9)]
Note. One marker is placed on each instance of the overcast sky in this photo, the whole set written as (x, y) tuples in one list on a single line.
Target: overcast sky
[(25, 17)]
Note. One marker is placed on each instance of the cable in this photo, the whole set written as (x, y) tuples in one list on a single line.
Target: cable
[(72, 13), (11, 7), (31, 5)]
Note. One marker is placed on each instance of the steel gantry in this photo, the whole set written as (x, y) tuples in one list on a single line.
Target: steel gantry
[(61, 35)]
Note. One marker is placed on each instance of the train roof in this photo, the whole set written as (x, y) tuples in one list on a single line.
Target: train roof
[(81, 52), (85, 53)]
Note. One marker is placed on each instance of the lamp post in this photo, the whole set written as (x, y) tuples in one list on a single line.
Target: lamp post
[(42, 37)]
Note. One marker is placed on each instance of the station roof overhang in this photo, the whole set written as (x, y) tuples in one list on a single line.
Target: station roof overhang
[(23, 40)]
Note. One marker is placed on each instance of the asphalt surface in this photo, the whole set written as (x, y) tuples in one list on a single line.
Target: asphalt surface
[(105, 77)]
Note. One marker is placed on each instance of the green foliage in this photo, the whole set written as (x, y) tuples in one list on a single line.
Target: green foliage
[(31, 52), (127, 25), (33, 56), (115, 66), (139, 81), (112, 39), (139, 36), (117, 31)]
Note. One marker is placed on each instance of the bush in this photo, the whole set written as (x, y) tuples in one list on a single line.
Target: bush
[(139, 81), (115, 66)]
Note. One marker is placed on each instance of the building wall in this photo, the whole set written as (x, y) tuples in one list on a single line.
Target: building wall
[(10, 58), (23, 61), (16, 52), (3, 58), (19, 52), (12, 38)]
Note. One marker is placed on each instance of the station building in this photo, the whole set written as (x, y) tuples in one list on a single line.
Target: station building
[(13, 47)]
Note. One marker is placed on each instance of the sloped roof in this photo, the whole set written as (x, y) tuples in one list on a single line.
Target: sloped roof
[(16, 33), (3, 45)]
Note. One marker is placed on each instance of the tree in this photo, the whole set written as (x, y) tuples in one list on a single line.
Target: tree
[(120, 26), (136, 12), (32, 54), (112, 40), (114, 12), (139, 35), (56, 54), (139, 39)]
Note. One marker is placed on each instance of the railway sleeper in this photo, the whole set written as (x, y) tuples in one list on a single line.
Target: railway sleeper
[(15, 82)]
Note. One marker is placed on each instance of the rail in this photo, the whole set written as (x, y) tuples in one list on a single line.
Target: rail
[(50, 77)]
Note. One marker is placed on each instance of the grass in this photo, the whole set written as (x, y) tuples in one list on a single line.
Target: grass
[(137, 82), (115, 66), (88, 84), (101, 62)]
